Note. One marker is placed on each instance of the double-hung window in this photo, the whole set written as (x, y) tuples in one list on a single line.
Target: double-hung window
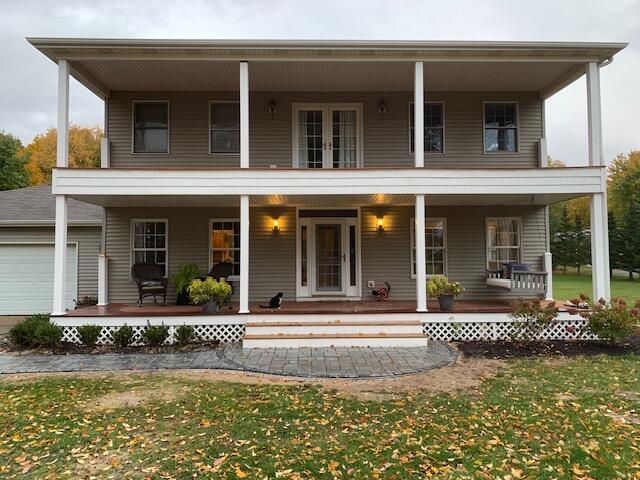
[(435, 247), (149, 242), (433, 127), (151, 127), (225, 243), (224, 127), (503, 241), (500, 127)]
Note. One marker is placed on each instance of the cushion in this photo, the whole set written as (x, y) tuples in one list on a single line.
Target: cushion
[(510, 267), (499, 283), (151, 283)]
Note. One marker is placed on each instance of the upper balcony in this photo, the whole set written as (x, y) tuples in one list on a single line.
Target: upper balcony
[(324, 104)]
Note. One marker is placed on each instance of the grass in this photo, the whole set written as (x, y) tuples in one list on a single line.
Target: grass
[(570, 285), (565, 419)]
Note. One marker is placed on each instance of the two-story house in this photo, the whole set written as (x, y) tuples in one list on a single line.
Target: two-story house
[(322, 170)]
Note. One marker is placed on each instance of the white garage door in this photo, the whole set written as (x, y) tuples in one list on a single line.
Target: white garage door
[(26, 279)]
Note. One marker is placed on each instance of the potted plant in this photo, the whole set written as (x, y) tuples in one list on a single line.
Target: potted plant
[(445, 290), (209, 293), (186, 274)]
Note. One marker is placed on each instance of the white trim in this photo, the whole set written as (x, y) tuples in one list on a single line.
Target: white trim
[(548, 267), (599, 270), (244, 115), (444, 126), (233, 278), (132, 241), (60, 255), (487, 240), (326, 109), (484, 127), (420, 234), (594, 115), (418, 114), (133, 127), (335, 181), (62, 141), (412, 245), (76, 244), (105, 152), (220, 154), (244, 253)]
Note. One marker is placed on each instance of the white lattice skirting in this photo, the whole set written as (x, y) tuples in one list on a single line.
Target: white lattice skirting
[(503, 329)]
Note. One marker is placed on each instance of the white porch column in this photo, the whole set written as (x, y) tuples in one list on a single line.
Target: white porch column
[(62, 160), (599, 211), (244, 115), (421, 273), (244, 251), (548, 267), (103, 279), (418, 115)]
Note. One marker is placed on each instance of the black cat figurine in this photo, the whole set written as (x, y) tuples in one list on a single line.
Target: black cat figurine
[(275, 302)]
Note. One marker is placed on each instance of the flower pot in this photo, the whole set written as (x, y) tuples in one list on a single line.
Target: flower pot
[(446, 302), (211, 306), (183, 298)]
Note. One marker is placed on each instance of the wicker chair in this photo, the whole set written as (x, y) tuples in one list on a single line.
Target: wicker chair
[(222, 270), (150, 280)]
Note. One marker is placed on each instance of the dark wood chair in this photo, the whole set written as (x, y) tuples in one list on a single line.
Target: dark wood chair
[(222, 270), (151, 281)]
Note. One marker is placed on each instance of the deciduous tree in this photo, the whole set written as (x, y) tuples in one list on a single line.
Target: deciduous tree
[(13, 173)]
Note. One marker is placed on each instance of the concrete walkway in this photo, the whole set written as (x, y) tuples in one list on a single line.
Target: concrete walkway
[(298, 362)]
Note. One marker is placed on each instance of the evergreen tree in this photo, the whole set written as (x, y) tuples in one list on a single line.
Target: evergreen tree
[(581, 244), (13, 172), (631, 234), (616, 245)]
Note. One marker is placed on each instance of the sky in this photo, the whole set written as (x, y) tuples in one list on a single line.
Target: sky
[(28, 79)]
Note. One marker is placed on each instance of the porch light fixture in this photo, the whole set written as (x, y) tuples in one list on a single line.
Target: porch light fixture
[(380, 224), (273, 107), (382, 107), (276, 225)]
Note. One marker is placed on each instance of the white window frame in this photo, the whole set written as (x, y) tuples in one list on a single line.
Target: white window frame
[(488, 238), (484, 127), (444, 128), (412, 251), (327, 107), (133, 127), (221, 154), (132, 248), (233, 278)]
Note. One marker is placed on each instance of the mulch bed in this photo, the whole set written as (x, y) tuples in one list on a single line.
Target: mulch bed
[(522, 349), (67, 348)]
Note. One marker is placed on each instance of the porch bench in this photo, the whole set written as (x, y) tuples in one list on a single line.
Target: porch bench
[(519, 280)]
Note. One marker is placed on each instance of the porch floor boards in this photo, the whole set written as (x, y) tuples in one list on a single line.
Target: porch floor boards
[(294, 308)]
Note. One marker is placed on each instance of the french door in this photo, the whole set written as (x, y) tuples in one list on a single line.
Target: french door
[(328, 257), (327, 136)]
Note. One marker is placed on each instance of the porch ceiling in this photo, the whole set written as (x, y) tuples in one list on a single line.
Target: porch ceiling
[(105, 65)]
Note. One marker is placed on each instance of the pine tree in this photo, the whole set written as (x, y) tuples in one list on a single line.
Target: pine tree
[(631, 234)]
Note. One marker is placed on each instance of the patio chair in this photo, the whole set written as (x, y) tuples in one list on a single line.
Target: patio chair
[(151, 281), (222, 270)]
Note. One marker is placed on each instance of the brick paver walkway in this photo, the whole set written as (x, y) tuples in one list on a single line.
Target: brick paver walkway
[(299, 362)]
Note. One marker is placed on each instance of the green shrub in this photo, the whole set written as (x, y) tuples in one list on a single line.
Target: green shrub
[(89, 334), (201, 291), (440, 286), (155, 335), (123, 336), (185, 334), (612, 321), (531, 318), (35, 331), (186, 273)]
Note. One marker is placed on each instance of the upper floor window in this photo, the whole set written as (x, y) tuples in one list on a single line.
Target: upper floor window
[(433, 127), (151, 127), (500, 127), (224, 126), (503, 241)]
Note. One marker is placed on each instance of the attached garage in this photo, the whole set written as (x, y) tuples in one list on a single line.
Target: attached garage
[(27, 219), (28, 285)]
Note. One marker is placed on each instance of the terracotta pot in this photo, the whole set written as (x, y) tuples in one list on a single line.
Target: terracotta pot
[(446, 302)]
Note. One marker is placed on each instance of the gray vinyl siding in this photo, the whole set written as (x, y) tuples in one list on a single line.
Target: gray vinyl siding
[(88, 239), (272, 256), (386, 138), (385, 256)]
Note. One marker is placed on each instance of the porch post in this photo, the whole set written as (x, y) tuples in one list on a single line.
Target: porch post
[(62, 160), (244, 115), (418, 115), (244, 252), (102, 279), (421, 274), (598, 204), (548, 267)]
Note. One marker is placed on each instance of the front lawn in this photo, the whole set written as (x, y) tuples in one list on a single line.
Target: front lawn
[(557, 418), (570, 285)]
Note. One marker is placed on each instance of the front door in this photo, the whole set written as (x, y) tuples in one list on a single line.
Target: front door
[(327, 136), (329, 258)]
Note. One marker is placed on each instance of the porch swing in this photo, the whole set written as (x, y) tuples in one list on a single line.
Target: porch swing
[(517, 277)]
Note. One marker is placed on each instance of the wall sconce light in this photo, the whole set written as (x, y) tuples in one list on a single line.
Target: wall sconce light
[(380, 224), (275, 225), (273, 107), (382, 107)]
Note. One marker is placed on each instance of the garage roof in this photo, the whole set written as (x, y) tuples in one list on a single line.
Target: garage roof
[(37, 206)]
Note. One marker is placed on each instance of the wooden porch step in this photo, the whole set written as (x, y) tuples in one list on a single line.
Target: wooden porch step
[(296, 340), (336, 335)]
